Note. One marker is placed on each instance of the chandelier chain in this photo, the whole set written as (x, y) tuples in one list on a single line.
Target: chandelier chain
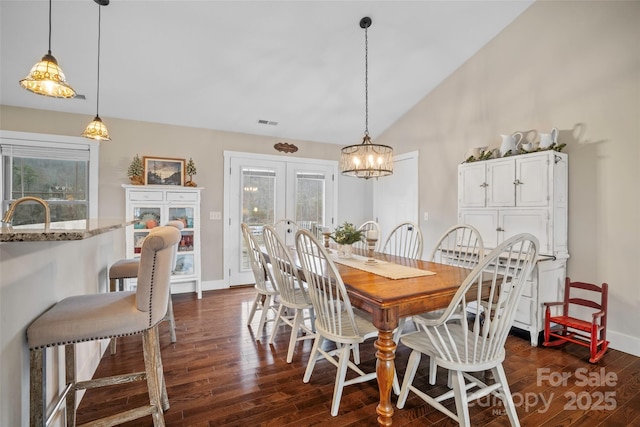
[(366, 82)]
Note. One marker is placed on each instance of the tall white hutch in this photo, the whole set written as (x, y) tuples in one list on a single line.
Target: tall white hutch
[(153, 205), (526, 193)]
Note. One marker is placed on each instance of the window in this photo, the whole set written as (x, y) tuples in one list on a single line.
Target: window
[(310, 199), (61, 170)]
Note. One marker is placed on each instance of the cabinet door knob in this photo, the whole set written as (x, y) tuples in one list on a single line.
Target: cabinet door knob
[(499, 229), (517, 182), (484, 185)]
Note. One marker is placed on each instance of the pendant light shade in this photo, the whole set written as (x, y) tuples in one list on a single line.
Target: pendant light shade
[(366, 160), (46, 78), (97, 129)]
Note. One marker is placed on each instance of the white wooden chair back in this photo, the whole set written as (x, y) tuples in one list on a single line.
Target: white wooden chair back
[(461, 245), (405, 240), (366, 226), (261, 272), (284, 270), (495, 285), (334, 314)]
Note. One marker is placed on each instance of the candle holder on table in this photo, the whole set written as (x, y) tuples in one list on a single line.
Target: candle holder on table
[(371, 245), (325, 236)]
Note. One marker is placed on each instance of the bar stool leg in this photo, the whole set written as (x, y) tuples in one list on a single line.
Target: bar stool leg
[(160, 370), (37, 377), (112, 288), (70, 375), (172, 321), (150, 346)]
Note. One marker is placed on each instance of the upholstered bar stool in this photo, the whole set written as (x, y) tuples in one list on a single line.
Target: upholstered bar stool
[(102, 316), (128, 269)]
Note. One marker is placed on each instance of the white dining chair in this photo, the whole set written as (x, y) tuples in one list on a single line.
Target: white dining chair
[(470, 346), (405, 240), (336, 320), (462, 246), (294, 299), (265, 285), (367, 226)]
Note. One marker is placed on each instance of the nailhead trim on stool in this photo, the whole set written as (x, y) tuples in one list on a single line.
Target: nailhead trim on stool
[(128, 269)]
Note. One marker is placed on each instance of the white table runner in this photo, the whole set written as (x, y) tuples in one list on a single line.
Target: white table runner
[(381, 268)]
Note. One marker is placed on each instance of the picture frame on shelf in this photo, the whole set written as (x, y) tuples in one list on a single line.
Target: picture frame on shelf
[(163, 171)]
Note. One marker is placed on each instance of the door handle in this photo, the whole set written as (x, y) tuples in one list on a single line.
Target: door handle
[(499, 229)]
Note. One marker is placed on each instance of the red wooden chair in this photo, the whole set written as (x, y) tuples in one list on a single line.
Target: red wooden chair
[(589, 333)]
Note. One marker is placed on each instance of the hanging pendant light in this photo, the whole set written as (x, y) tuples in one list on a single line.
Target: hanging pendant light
[(46, 77), (366, 160), (97, 129)]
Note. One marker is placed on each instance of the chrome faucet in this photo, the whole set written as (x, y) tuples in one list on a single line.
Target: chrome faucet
[(6, 219)]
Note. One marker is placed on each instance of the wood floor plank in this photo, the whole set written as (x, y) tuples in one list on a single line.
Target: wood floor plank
[(222, 372)]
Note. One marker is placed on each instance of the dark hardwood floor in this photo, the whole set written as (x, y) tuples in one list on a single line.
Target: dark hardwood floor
[(223, 373)]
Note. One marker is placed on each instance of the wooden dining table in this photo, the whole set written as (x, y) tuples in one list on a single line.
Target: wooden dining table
[(389, 300)]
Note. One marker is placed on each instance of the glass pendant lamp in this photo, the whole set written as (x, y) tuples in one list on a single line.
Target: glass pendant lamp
[(97, 129), (46, 77)]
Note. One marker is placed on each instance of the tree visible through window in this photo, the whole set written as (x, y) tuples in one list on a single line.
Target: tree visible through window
[(62, 183), (57, 169)]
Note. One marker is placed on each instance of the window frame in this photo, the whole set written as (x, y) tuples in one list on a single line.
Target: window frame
[(53, 142)]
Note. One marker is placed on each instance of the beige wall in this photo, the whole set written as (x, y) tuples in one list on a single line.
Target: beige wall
[(206, 147), (570, 65)]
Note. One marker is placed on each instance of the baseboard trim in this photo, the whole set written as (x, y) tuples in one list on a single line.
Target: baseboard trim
[(625, 343)]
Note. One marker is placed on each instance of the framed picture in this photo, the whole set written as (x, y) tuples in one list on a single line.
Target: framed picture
[(163, 171)]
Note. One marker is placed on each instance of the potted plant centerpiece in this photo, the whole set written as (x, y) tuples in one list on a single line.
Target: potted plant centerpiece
[(345, 235)]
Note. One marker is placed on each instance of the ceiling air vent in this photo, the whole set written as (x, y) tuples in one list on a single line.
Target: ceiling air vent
[(267, 122)]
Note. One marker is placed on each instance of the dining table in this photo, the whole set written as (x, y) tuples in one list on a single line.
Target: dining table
[(388, 300)]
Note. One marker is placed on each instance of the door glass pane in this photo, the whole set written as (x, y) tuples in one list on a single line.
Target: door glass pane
[(258, 204), (184, 264), (146, 217), (310, 203), (184, 214)]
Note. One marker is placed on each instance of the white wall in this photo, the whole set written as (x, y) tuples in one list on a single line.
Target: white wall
[(570, 65)]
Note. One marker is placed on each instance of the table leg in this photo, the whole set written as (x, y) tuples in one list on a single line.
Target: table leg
[(385, 369)]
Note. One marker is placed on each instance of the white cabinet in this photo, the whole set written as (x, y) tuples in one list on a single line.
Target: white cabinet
[(522, 194), (497, 225), (150, 206), (517, 181), (525, 193)]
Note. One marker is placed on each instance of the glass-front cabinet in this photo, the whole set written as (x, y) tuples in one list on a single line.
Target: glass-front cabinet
[(150, 206)]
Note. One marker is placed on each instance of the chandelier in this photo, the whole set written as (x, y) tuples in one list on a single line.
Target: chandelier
[(366, 160), (97, 129), (46, 78)]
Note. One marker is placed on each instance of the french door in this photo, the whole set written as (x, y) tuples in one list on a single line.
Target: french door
[(262, 189)]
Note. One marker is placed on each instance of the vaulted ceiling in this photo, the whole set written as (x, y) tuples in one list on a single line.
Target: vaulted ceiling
[(228, 65)]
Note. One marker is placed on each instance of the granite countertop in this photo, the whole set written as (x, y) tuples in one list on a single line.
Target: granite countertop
[(60, 231)]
